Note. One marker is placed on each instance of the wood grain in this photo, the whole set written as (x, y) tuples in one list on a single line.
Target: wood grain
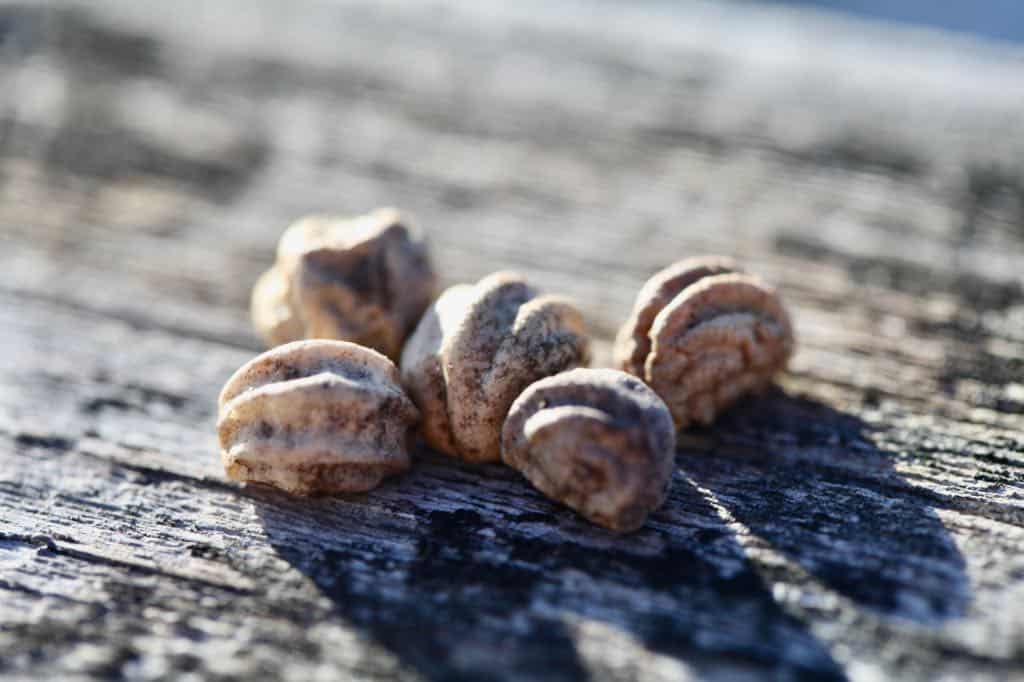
[(864, 521)]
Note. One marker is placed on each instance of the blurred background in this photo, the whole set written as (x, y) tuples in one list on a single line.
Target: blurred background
[(172, 145)]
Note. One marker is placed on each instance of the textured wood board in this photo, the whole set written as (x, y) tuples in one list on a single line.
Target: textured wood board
[(864, 521)]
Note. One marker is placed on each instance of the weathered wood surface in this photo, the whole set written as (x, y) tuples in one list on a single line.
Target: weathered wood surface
[(865, 521)]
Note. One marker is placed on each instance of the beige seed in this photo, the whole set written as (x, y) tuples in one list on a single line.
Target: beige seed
[(365, 280), (476, 349), (596, 440), (703, 335), (315, 416)]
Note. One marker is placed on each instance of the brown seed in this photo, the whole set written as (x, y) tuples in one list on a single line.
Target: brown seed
[(365, 280), (597, 440), (476, 349), (702, 335), (315, 417)]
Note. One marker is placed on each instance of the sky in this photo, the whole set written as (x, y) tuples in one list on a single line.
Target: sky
[(994, 19)]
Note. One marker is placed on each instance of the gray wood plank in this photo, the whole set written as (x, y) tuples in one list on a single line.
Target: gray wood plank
[(862, 522)]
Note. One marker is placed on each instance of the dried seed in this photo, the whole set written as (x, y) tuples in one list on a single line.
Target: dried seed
[(703, 335), (365, 280), (315, 417), (597, 440), (476, 349)]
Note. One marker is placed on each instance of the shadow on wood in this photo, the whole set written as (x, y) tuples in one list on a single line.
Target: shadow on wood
[(492, 581), (854, 524)]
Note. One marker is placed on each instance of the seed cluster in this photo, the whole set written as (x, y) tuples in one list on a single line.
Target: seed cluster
[(489, 372)]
